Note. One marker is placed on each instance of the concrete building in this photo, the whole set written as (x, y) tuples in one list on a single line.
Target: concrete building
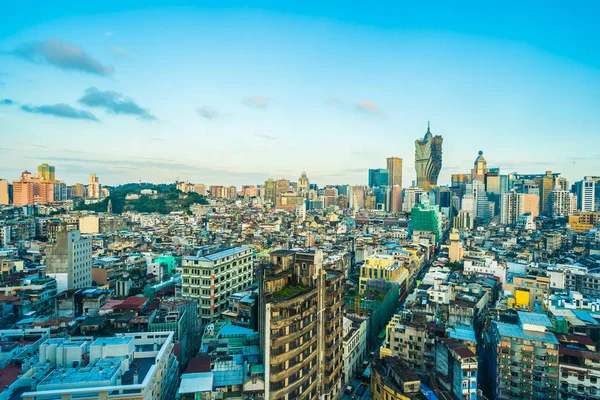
[(562, 203), (130, 366), (547, 183), (586, 194), (456, 368), (46, 172), (411, 342), (579, 367), (455, 249), (394, 169), (200, 189), (526, 357), (513, 205), (4, 192), (412, 196), (69, 261), (89, 225), (384, 267), (179, 316), (94, 189), (355, 345), (214, 274), (26, 190), (476, 188), (486, 266), (428, 160), (393, 379), (301, 326)]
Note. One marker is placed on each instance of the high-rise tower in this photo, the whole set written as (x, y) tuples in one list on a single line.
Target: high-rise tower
[(428, 160), (394, 168)]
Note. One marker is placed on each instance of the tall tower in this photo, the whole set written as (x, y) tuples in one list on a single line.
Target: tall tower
[(480, 168), (394, 167), (428, 160), (303, 184)]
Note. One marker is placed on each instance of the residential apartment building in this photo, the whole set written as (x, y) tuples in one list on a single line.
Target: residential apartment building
[(579, 368), (411, 342), (69, 260), (355, 345), (456, 368), (4, 192), (393, 379), (94, 189), (382, 266), (513, 205), (214, 274), (562, 203), (527, 357), (301, 326)]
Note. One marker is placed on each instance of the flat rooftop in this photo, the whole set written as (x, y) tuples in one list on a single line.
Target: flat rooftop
[(113, 341), (216, 254)]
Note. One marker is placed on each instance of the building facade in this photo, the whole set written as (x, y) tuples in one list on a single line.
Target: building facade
[(214, 274), (428, 160), (69, 260), (301, 326)]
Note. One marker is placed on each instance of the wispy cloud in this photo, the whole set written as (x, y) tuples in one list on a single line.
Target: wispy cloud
[(6, 102), (208, 112), (119, 51), (265, 136), (60, 110), (256, 102), (61, 55), (363, 106), (108, 33), (114, 102), (368, 107)]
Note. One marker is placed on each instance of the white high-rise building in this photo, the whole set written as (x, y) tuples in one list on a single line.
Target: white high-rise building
[(412, 196), (562, 202), (214, 274), (69, 261), (476, 188), (585, 194)]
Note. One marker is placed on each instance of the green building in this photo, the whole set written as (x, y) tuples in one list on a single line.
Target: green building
[(426, 217)]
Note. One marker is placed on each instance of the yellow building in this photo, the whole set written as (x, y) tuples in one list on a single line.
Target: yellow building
[(527, 292), (455, 250), (381, 266), (584, 222), (393, 379)]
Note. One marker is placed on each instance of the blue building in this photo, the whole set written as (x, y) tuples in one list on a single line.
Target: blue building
[(456, 368), (378, 177)]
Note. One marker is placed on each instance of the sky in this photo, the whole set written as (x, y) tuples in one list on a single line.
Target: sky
[(229, 92)]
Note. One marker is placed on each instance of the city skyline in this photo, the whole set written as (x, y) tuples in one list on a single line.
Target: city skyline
[(261, 81)]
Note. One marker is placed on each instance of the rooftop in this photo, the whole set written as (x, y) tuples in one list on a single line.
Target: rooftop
[(517, 331), (196, 382), (213, 253)]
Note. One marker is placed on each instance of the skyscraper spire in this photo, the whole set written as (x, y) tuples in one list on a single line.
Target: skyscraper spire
[(427, 125)]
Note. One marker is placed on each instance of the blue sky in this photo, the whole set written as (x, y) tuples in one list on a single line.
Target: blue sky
[(229, 93)]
